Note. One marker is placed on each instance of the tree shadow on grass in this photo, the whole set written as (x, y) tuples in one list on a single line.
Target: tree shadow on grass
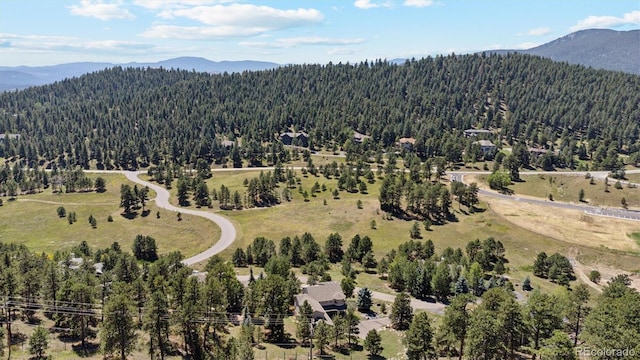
[(376, 357), (34, 321), (130, 215), (288, 344), (506, 191), (89, 350), (18, 338)]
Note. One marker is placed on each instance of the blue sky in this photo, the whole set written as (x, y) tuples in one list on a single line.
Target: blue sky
[(47, 32)]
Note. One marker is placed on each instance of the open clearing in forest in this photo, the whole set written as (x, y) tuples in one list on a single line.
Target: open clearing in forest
[(566, 225), (567, 188), (32, 220), (522, 242)]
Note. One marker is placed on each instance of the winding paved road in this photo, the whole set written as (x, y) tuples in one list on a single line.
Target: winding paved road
[(227, 230), (592, 210)]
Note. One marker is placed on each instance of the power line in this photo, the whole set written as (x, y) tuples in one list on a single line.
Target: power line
[(91, 309)]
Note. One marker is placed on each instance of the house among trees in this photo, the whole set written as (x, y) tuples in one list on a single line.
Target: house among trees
[(9, 136), (75, 263), (476, 132), (227, 144), (407, 143), (486, 146), (359, 138), (326, 300), (299, 138), (537, 152)]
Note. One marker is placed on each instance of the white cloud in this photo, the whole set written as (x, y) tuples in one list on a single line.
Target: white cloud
[(235, 20), (368, 4), (630, 18), (539, 31), (301, 41), (60, 43), (418, 3), (114, 45), (173, 4), (101, 10), (200, 32), (248, 15)]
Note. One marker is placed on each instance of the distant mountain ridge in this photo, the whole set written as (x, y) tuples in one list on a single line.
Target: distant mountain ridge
[(20, 77), (597, 48)]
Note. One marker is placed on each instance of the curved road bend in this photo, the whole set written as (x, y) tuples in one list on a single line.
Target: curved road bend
[(227, 230)]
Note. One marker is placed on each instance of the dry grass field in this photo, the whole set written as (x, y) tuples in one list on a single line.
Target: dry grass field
[(570, 226), (567, 188)]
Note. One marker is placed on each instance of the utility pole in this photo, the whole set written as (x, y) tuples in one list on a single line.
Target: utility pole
[(311, 340)]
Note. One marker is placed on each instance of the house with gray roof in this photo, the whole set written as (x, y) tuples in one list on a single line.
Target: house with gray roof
[(299, 138), (359, 137), (476, 132), (326, 300), (486, 146)]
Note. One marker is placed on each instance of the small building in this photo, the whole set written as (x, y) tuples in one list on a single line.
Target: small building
[(201, 277), (326, 300), (99, 268), (407, 143), (486, 146), (75, 262), (537, 152), (476, 132), (227, 143), (301, 137), (9, 136), (359, 137)]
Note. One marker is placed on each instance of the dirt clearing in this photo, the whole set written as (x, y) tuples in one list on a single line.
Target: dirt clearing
[(572, 226)]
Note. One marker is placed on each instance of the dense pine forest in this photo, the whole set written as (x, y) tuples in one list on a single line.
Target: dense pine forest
[(132, 117)]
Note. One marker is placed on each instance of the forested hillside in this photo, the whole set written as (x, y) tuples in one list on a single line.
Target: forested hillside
[(597, 48), (127, 117)]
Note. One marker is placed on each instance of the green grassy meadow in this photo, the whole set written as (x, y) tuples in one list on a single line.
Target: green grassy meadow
[(344, 217), (32, 220), (636, 237)]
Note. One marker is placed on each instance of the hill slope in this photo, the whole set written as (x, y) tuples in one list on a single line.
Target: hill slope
[(21, 77), (597, 48), (123, 114)]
